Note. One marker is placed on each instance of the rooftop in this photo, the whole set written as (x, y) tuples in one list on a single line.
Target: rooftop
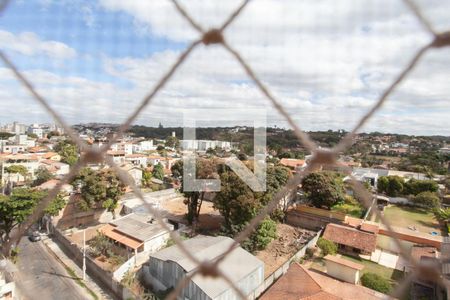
[(236, 265), (344, 262), (300, 283), (351, 237)]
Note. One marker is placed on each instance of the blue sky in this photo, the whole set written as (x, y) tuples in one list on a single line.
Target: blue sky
[(326, 61)]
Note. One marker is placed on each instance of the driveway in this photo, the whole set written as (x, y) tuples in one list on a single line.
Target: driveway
[(41, 276), (388, 259)]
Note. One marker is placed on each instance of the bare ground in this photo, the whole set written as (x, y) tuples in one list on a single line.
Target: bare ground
[(290, 240)]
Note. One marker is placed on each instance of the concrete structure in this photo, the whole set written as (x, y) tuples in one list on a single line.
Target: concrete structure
[(137, 159), (137, 233), (35, 129), (30, 162), (125, 147), (12, 149), (7, 287), (143, 146), (343, 269), (134, 171), (117, 156), (167, 267), (203, 145)]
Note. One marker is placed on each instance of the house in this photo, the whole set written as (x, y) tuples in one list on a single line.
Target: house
[(137, 233), (300, 283), (134, 171), (30, 162), (57, 168), (117, 156), (292, 163), (168, 266), (351, 240), (136, 159), (12, 149), (125, 147), (343, 269), (51, 184)]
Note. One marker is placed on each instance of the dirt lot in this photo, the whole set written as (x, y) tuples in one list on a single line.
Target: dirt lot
[(210, 219), (290, 240), (77, 237)]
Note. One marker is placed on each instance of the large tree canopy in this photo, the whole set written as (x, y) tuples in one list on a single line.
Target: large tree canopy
[(101, 187), (16, 208), (68, 151), (324, 189)]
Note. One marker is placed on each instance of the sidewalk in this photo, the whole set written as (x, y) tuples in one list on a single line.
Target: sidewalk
[(68, 263)]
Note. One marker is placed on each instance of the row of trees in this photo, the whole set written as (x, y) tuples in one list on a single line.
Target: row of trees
[(395, 186)]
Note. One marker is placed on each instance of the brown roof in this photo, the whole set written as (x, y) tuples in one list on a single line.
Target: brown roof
[(344, 262), (351, 237), (418, 251), (292, 162), (370, 227), (300, 283), (111, 232), (296, 284)]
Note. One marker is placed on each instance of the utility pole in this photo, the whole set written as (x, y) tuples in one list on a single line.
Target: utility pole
[(84, 254)]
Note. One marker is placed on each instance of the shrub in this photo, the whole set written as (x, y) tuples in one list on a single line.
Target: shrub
[(327, 247), (376, 282), (427, 199), (309, 252)]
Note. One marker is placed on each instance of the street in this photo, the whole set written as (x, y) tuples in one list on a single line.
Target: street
[(41, 275)]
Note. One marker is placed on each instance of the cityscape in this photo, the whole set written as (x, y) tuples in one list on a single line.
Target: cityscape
[(98, 232)]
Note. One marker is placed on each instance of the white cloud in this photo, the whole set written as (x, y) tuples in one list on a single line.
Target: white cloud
[(326, 61), (28, 43)]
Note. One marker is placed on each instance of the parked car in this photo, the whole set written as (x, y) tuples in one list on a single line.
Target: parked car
[(34, 237)]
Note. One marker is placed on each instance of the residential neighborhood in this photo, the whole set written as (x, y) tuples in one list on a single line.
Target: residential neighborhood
[(322, 236)]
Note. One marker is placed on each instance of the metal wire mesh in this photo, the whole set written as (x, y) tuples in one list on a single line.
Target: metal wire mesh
[(320, 156)]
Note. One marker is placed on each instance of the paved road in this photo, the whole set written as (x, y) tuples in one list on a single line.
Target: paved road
[(41, 276)]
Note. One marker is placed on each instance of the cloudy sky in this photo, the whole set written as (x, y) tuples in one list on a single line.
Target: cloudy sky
[(327, 61)]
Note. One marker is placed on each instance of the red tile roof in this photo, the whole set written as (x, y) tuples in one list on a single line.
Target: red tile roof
[(301, 284), (351, 237), (292, 163)]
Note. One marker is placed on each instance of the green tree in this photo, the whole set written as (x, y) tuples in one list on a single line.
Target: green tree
[(442, 214), (205, 169), (5, 135), (55, 206), (177, 169), (16, 208), (392, 186), (327, 246), (376, 282), (17, 169), (415, 187), (264, 234), (427, 199), (42, 175), (146, 178), (158, 171), (172, 142), (68, 151), (324, 189), (101, 187)]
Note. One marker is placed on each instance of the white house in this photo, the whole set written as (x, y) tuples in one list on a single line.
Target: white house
[(137, 232)]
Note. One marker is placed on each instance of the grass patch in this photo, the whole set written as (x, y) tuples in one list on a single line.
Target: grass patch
[(80, 282), (393, 275), (404, 216), (354, 210)]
